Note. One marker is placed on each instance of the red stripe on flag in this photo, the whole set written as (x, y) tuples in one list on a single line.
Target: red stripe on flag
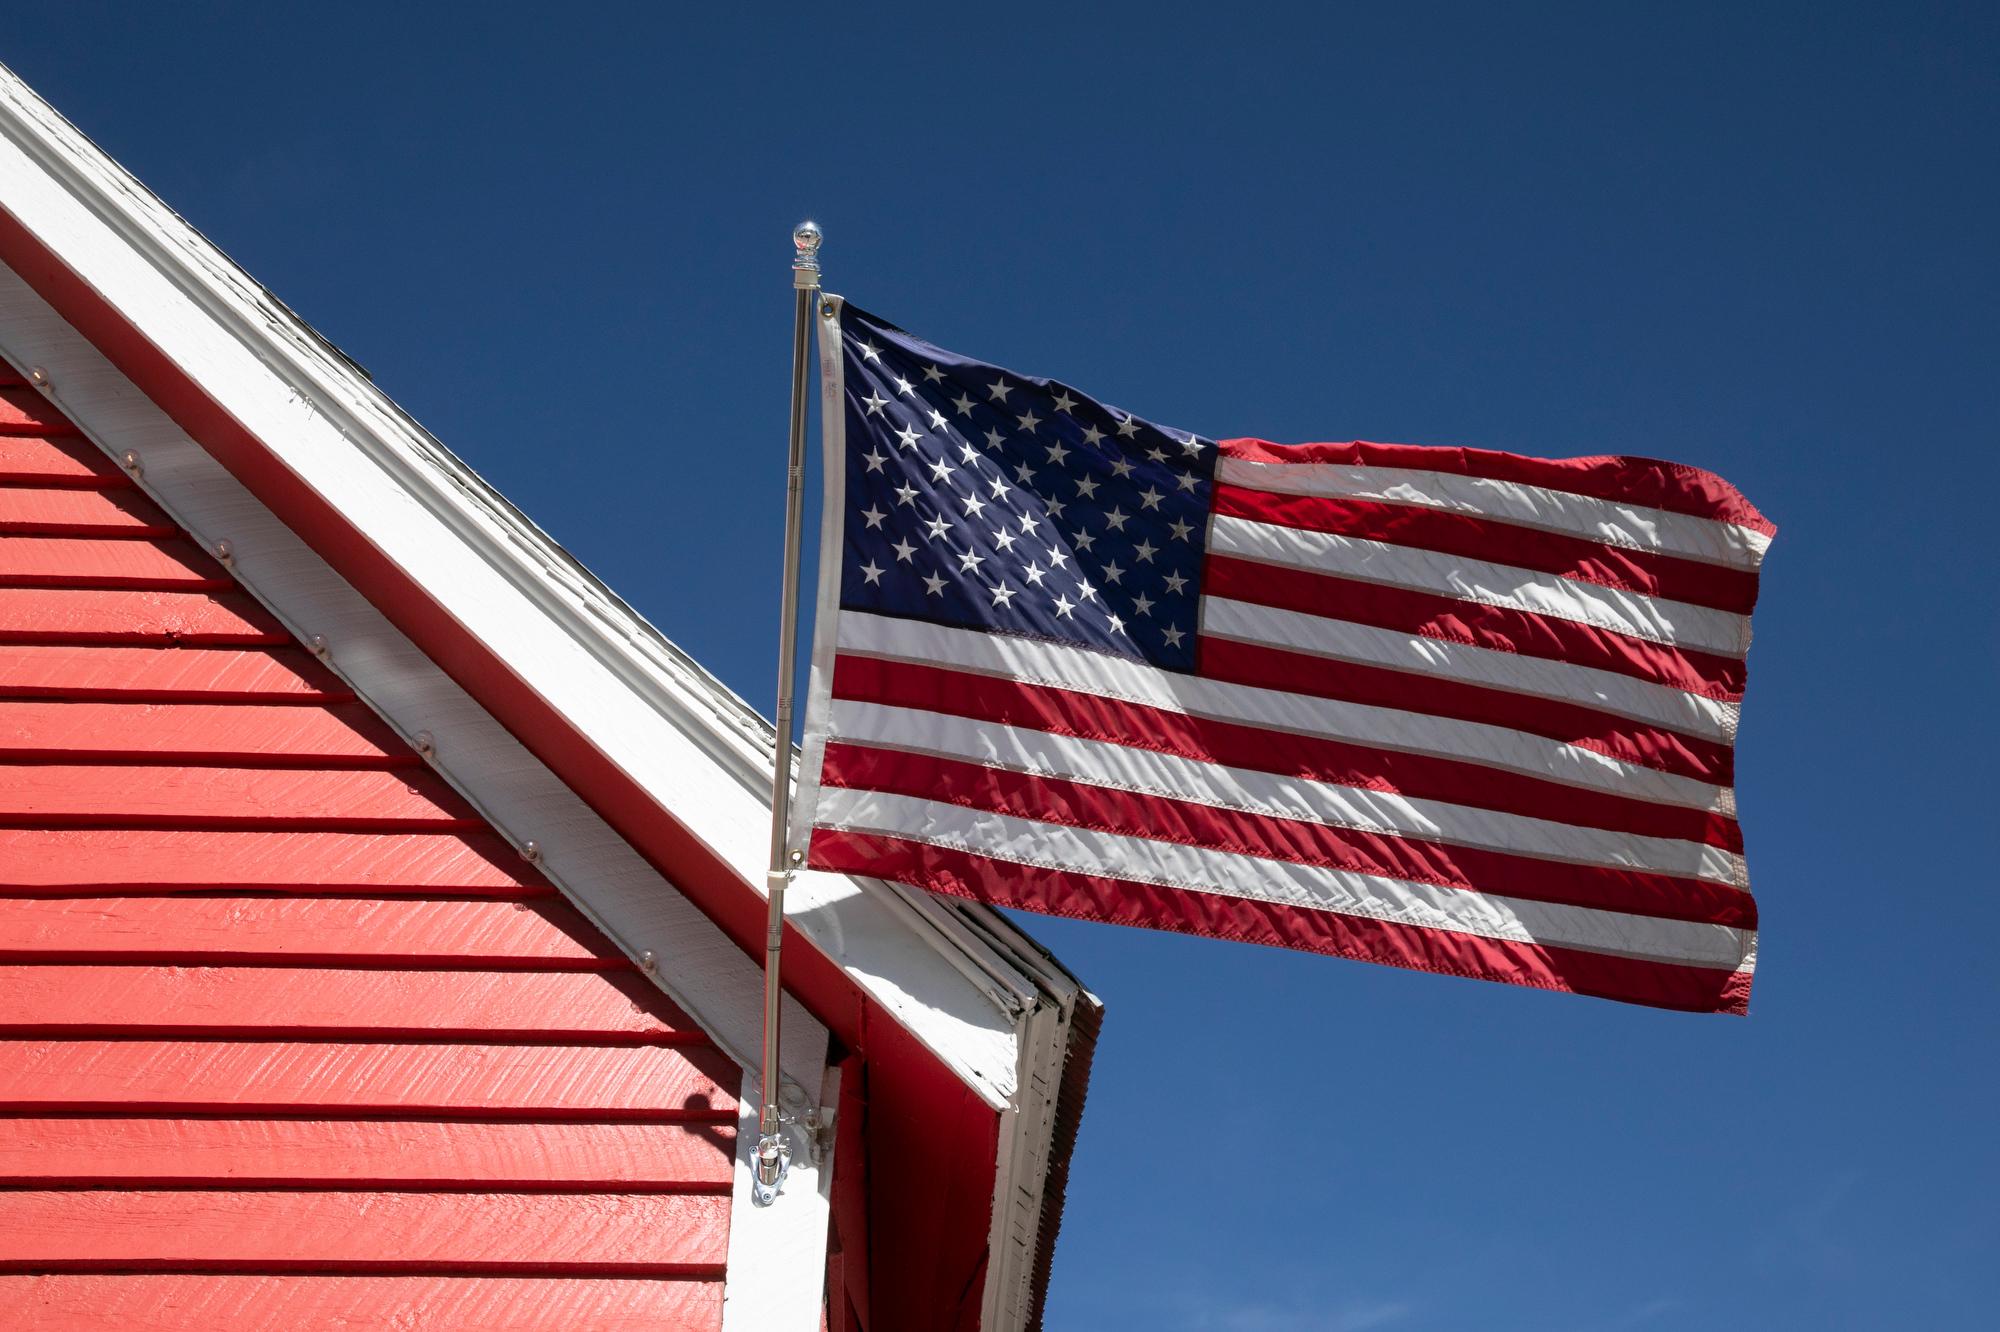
[(1113, 810), (1673, 487), (1093, 717), (1125, 902), (1647, 573), (1498, 627), (1380, 686)]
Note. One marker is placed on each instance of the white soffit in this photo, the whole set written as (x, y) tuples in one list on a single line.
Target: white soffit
[(671, 727)]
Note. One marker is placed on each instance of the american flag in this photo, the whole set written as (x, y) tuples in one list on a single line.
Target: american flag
[(1449, 709)]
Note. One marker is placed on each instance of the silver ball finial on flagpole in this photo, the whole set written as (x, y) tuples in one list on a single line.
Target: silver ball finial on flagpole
[(806, 237)]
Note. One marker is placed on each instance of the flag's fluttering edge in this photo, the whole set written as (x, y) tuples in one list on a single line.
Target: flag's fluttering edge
[(1456, 710)]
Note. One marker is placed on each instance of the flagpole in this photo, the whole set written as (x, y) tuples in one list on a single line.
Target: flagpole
[(773, 1153)]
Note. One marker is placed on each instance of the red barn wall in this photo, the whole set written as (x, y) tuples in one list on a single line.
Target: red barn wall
[(290, 1035)]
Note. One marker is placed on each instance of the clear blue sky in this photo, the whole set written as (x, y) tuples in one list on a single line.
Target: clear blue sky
[(1756, 238)]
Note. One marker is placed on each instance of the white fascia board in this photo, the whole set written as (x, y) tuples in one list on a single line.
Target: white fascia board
[(676, 731), (1019, 1178), (683, 951), (1028, 1126)]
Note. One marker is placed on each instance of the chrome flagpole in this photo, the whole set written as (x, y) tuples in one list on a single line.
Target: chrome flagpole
[(773, 1152)]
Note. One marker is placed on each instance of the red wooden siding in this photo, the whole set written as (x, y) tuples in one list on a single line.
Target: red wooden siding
[(59, 461), (288, 1036), (66, 861), (80, 513), (178, 1303), (94, 672), (96, 617)]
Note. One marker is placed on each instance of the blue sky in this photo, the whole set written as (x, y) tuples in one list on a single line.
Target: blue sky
[(1754, 238)]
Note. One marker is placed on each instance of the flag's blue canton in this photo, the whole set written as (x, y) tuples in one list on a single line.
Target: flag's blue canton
[(982, 498)]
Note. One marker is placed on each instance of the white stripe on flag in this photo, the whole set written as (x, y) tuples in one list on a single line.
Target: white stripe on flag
[(1631, 525), (1148, 772), (1062, 666), (1175, 865), (1675, 623), (1344, 640)]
